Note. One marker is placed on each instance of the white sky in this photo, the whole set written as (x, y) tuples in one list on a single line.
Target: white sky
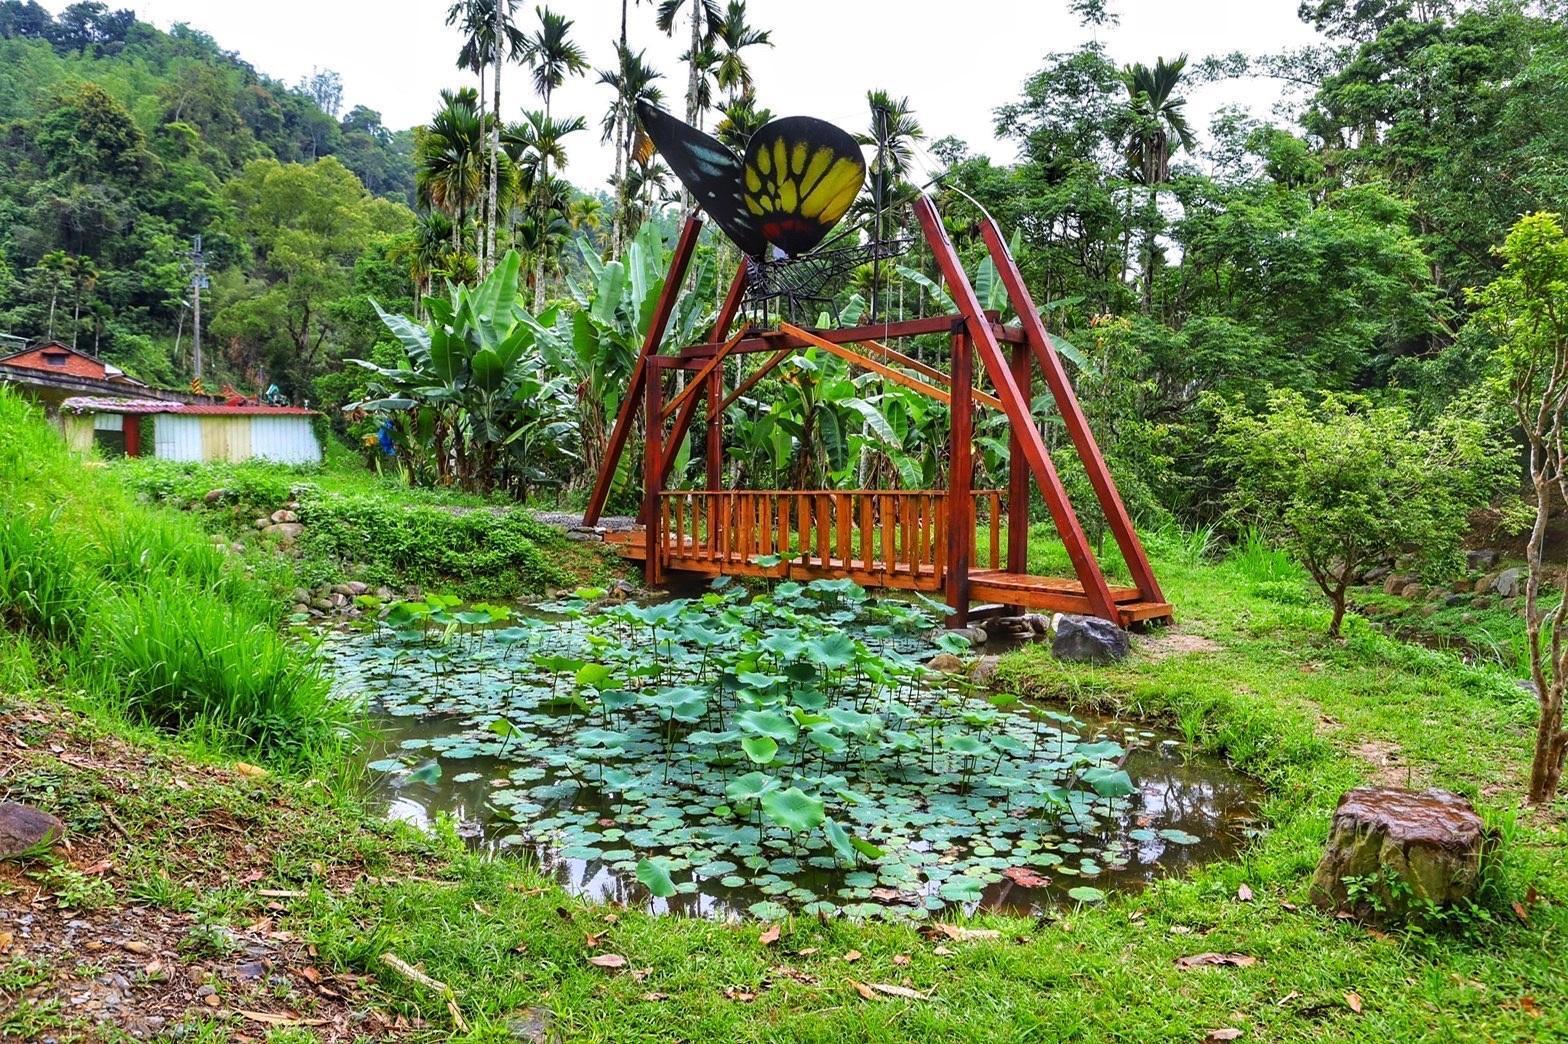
[(957, 60)]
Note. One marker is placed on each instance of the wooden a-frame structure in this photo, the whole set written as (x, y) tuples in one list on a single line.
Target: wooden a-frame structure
[(914, 539)]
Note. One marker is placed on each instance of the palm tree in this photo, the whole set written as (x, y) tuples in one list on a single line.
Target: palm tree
[(585, 214), (741, 119), (632, 80), (705, 17), (449, 160), (483, 22), (731, 36), (533, 145), (1156, 123), (893, 133), (553, 55)]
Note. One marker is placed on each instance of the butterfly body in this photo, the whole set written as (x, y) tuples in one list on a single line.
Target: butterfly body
[(798, 179)]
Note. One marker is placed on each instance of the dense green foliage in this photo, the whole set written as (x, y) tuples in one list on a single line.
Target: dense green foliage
[(120, 143), (139, 609), (373, 529)]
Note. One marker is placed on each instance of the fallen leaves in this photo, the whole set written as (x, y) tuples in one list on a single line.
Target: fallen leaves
[(901, 959), (870, 990), (851, 957), (1353, 1000), (1243, 893), (735, 993), (141, 949), (607, 960), (1215, 960), (1213, 1036), (1024, 877), (267, 1018), (1521, 912), (769, 936), (958, 933)]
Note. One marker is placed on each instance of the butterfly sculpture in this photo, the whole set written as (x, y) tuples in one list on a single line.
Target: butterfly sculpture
[(797, 180)]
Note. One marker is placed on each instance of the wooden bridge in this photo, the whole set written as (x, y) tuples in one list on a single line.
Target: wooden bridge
[(969, 545), (878, 538)]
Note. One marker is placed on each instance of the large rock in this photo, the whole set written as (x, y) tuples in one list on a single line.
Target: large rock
[(1396, 583), (24, 830), (287, 532), (1399, 848), (284, 516), (1508, 583), (1088, 639), (1481, 559)]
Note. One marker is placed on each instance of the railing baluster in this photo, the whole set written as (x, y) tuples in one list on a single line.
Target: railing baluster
[(996, 530)]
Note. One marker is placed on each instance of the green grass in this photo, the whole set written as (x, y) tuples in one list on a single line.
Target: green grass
[(1308, 716), (364, 526), (133, 608)]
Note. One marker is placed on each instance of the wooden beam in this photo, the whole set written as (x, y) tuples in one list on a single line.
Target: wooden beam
[(930, 391), (1018, 473), (1099, 473), (960, 482), (936, 324), (685, 247), (701, 379), (984, 339), (755, 376), (652, 475), (887, 354)]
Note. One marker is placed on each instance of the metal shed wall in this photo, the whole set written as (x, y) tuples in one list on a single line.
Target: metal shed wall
[(176, 437), (285, 440)]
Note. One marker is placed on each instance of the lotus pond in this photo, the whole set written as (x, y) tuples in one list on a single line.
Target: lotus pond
[(782, 751)]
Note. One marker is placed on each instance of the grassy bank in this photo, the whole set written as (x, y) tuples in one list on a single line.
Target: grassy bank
[(218, 861), (132, 610), (361, 526)]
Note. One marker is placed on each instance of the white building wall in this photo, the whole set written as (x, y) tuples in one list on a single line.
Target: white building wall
[(176, 437), (285, 440)]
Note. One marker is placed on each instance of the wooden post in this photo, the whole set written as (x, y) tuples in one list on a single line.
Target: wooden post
[(653, 470), (132, 426), (1018, 475), (1072, 414), (960, 479), (983, 337), (715, 439), (685, 247)]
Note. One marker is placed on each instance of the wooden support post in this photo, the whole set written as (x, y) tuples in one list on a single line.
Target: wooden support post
[(1072, 414), (960, 479), (1018, 475), (983, 337), (715, 439), (653, 471), (685, 247)]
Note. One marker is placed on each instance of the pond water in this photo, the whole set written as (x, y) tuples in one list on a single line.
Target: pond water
[(727, 755)]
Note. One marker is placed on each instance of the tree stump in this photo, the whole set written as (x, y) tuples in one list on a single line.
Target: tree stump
[(1394, 850)]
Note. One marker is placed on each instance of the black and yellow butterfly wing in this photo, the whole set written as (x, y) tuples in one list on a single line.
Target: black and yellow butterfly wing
[(710, 171), (801, 177)]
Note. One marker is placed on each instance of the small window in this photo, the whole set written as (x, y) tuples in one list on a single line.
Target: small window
[(56, 358)]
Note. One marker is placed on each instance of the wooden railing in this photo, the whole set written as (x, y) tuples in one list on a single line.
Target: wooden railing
[(892, 537)]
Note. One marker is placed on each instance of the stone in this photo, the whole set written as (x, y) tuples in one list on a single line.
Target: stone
[(1464, 583), (1508, 583), (24, 829), (946, 663), (586, 534), (1040, 625), (385, 593), (283, 516), (300, 594), (1430, 840), (1412, 592), (286, 532), (1376, 573), (1483, 584), (357, 588), (1088, 639), (214, 495), (974, 635), (262, 523), (1481, 602), (1457, 598), (1481, 559), (1396, 583)]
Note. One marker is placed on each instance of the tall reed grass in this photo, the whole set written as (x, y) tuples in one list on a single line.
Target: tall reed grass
[(139, 611)]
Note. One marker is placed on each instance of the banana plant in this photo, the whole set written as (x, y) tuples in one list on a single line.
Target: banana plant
[(473, 398)]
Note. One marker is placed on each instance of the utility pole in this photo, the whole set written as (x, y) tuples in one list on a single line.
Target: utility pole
[(198, 284)]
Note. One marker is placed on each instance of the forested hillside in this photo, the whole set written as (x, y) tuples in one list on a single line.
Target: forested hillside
[(120, 142)]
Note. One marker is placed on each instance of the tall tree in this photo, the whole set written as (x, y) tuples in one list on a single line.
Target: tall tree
[(732, 35), (632, 80), (554, 57), (449, 160), (534, 145), (704, 20), (1156, 127)]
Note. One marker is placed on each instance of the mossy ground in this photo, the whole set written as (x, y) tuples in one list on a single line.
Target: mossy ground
[(1246, 673)]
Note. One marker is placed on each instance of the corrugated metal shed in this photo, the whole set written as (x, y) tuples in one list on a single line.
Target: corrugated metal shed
[(239, 432)]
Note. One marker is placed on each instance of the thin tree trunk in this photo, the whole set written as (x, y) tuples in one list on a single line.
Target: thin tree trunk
[(495, 141), (539, 232), (485, 206), (693, 79)]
